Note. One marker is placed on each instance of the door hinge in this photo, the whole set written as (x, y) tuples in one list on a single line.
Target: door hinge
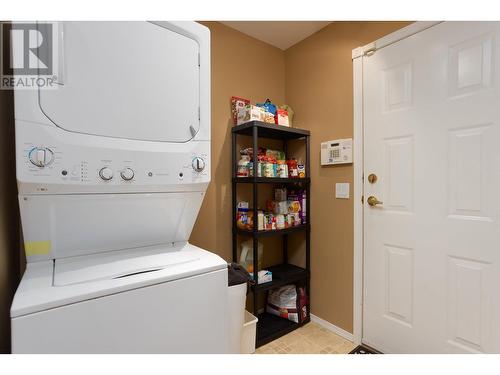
[(362, 199), (369, 52), (199, 114), (199, 59)]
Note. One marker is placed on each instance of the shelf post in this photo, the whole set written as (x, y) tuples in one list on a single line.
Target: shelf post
[(255, 145), (308, 226), (233, 188)]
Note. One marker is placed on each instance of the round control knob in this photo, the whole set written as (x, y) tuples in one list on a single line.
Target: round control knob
[(41, 156), (106, 173), (198, 164), (127, 174)]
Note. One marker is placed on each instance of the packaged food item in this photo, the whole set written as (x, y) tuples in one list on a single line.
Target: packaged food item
[(277, 207), (292, 168), (269, 118), (275, 154), (281, 117), (260, 166), (264, 152), (243, 169), (260, 220), (280, 194), (301, 170), (293, 206), (280, 221), (294, 218), (300, 196), (289, 302), (236, 104), (288, 220), (269, 222), (289, 111), (246, 256), (265, 276), (269, 169), (303, 204), (268, 107), (250, 113), (282, 171), (242, 204), (249, 224), (242, 218)]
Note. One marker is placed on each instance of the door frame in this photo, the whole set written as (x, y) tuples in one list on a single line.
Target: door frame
[(358, 55)]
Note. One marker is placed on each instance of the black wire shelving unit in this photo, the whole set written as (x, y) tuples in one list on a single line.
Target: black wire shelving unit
[(270, 327)]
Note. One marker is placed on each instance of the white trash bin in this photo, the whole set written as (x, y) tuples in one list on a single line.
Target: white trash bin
[(236, 304), (248, 334)]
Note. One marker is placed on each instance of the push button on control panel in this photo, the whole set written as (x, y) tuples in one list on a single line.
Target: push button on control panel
[(41, 156), (127, 174), (106, 173)]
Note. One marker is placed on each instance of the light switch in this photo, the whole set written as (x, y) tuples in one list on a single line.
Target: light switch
[(342, 190)]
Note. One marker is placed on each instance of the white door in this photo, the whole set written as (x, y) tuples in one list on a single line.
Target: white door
[(432, 137)]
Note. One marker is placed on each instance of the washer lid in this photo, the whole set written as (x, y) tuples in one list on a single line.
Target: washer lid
[(51, 284), (133, 80), (122, 264)]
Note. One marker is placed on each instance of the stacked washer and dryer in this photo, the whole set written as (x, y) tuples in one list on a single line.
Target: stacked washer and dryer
[(112, 168)]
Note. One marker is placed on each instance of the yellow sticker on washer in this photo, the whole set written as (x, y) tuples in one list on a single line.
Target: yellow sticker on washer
[(37, 248)]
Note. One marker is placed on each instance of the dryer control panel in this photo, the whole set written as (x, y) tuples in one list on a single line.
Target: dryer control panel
[(102, 164)]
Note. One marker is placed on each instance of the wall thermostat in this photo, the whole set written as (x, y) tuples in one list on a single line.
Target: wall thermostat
[(338, 151)]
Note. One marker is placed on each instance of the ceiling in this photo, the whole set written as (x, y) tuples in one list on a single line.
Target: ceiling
[(281, 34)]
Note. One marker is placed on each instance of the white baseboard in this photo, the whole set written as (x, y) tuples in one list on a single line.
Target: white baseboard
[(332, 327)]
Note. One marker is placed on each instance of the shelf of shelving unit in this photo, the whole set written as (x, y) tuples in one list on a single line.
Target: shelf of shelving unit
[(271, 180), (283, 274), (271, 131), (270, 233), (270, 327)]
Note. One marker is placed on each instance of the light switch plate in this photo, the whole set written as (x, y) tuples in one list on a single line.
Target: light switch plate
[(342, 190)]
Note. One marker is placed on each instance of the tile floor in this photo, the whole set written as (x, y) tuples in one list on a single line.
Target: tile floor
[(309, 339)]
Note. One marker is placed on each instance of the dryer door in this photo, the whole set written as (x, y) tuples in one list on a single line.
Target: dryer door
[(134, 80)]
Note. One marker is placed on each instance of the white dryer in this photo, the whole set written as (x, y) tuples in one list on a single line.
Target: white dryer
[(112, 168)]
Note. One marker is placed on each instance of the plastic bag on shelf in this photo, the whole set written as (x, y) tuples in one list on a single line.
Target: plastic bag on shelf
[(289, 302)]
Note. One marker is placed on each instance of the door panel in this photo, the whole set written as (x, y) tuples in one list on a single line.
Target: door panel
[(152, 82), (431, 123)]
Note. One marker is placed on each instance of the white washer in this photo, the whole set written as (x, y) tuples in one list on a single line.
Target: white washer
[(112, 168)]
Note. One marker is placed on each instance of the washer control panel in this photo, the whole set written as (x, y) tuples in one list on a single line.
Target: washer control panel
[(96, 164)]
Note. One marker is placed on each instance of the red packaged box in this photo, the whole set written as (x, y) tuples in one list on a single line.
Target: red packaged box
[(281, 117)]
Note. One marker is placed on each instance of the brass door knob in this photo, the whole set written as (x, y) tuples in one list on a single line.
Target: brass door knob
[(373, 201)]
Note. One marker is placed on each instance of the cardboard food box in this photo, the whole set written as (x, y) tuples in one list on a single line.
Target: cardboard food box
[(281, 117), (250, 113), (269, 118), (236, 104)]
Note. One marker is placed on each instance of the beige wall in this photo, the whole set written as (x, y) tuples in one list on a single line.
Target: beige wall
[(244, 67), (9, 219), (319, 89)]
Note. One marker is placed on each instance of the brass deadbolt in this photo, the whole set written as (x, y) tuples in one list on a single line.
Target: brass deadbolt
[(372, 178)]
